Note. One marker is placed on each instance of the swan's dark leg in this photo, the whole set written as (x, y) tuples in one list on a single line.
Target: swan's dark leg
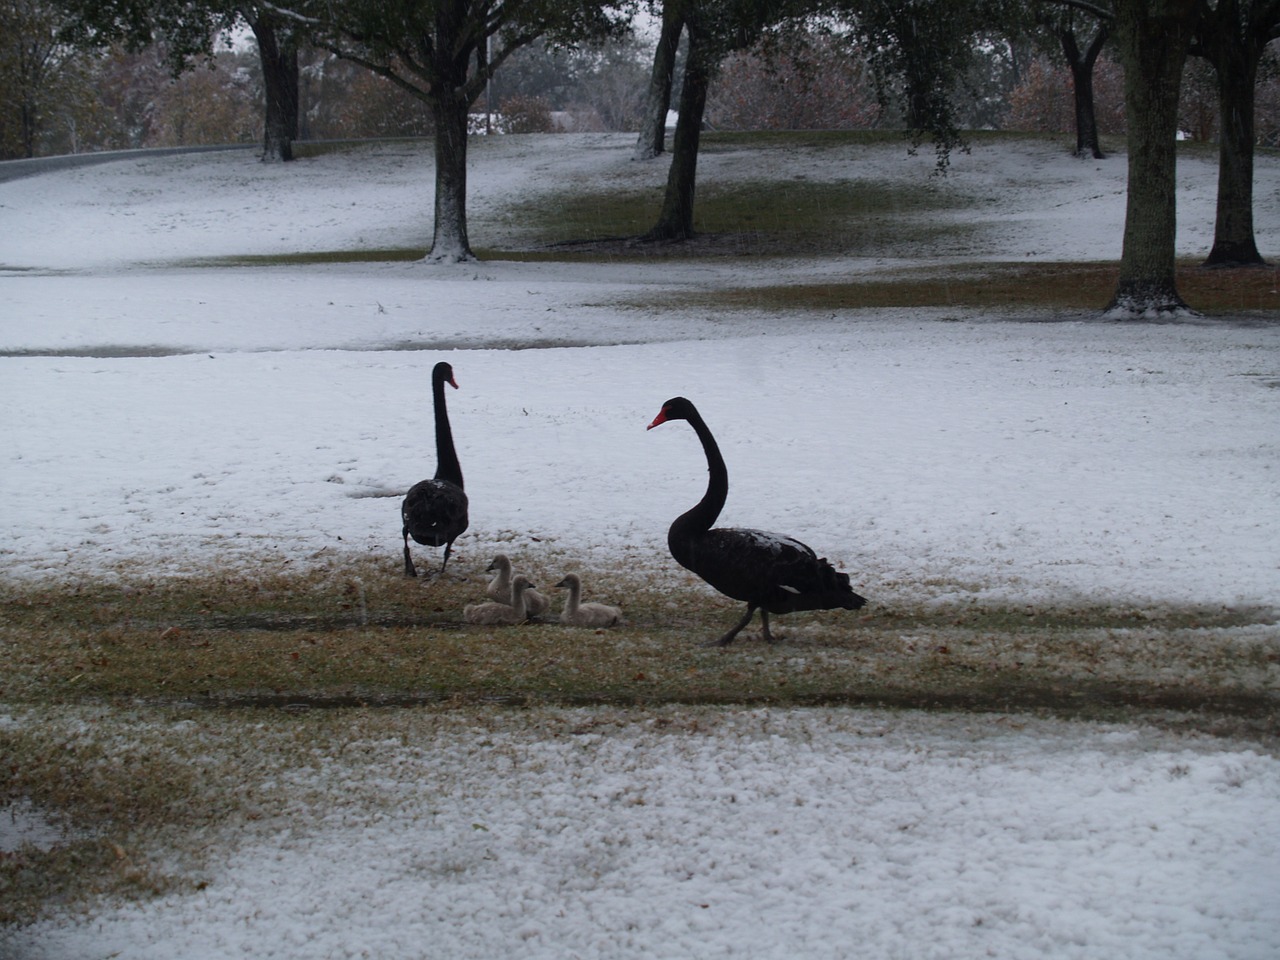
[(447, 547), (728, 637), (409, 571), (764, 619)]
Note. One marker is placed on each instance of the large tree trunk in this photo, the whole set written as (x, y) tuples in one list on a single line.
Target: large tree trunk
[(452, 49), (1234, 46), (278, 51), (675, 221), (27, 129), (1082, 64), (653, 129), (1233, 239), (1153, 37), (449, 242)]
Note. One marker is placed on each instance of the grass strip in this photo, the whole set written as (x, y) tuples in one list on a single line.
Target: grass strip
[(352, 633)]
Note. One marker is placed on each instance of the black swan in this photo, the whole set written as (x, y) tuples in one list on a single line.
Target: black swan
[(768, 571), (435, 511)]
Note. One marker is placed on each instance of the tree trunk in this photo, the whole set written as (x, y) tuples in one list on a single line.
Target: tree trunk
[(27, 129), (1234, 47), (653, 129), (449, 242), (1153, 37), (279, 56), (1233, 239), (1082, 65), (675, 221)]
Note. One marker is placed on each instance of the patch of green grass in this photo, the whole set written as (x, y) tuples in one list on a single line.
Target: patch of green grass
[(726, 140), (1001, 285), (309, 150), (564, 254), (358, 633), (1042, 285), (584, 215), (852, 216), (309, 258), (761, 217)]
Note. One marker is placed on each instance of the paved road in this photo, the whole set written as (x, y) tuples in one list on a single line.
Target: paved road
[(14, 169)]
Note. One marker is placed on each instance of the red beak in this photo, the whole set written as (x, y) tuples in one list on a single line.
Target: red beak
[(660, 418)]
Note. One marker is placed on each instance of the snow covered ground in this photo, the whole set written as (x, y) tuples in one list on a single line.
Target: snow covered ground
[(165, 416)]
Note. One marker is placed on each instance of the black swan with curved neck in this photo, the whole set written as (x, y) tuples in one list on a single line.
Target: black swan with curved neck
[(767, 571), (435, 511)]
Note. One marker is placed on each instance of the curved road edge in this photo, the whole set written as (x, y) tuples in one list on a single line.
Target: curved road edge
[(16, 169)]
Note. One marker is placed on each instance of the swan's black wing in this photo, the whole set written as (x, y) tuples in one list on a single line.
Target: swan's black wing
[(775, 572), (434, 512)]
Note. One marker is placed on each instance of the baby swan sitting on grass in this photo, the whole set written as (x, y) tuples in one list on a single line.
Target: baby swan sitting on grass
[(578, 614), (500, 588), (501, 613)]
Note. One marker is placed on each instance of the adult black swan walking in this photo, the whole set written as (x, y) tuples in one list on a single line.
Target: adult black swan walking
[(767, 571), (435, 511)]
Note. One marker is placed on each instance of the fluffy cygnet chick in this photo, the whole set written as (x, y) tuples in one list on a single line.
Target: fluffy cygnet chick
[(501, 613), (500, 588), (579, 614)]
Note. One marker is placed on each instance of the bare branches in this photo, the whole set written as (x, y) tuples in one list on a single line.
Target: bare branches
[(1101, 13)]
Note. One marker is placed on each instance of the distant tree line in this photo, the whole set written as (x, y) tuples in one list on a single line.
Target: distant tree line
[(58, 97), (94, 74)]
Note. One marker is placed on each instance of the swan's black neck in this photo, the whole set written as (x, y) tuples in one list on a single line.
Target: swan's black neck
[(447, 466), (703, 515)]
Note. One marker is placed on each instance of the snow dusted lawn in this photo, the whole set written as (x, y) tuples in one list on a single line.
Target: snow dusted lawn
[(168, 418), (686, 832)]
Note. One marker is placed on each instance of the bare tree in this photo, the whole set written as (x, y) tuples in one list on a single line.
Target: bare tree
[(812, 81), (444, 52)]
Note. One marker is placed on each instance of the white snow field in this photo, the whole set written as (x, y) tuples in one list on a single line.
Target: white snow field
[(166, 416)]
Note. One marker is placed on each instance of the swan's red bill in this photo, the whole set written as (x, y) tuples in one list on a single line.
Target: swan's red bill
[(660, 418)]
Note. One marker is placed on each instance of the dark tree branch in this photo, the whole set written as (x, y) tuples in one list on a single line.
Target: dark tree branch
[(1092, 8)]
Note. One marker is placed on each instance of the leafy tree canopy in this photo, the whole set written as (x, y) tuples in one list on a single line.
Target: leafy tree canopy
[(444, 47), (189, 29)]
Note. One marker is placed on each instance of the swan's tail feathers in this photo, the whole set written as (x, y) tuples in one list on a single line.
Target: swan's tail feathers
[(853, 601), (844, 595)]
